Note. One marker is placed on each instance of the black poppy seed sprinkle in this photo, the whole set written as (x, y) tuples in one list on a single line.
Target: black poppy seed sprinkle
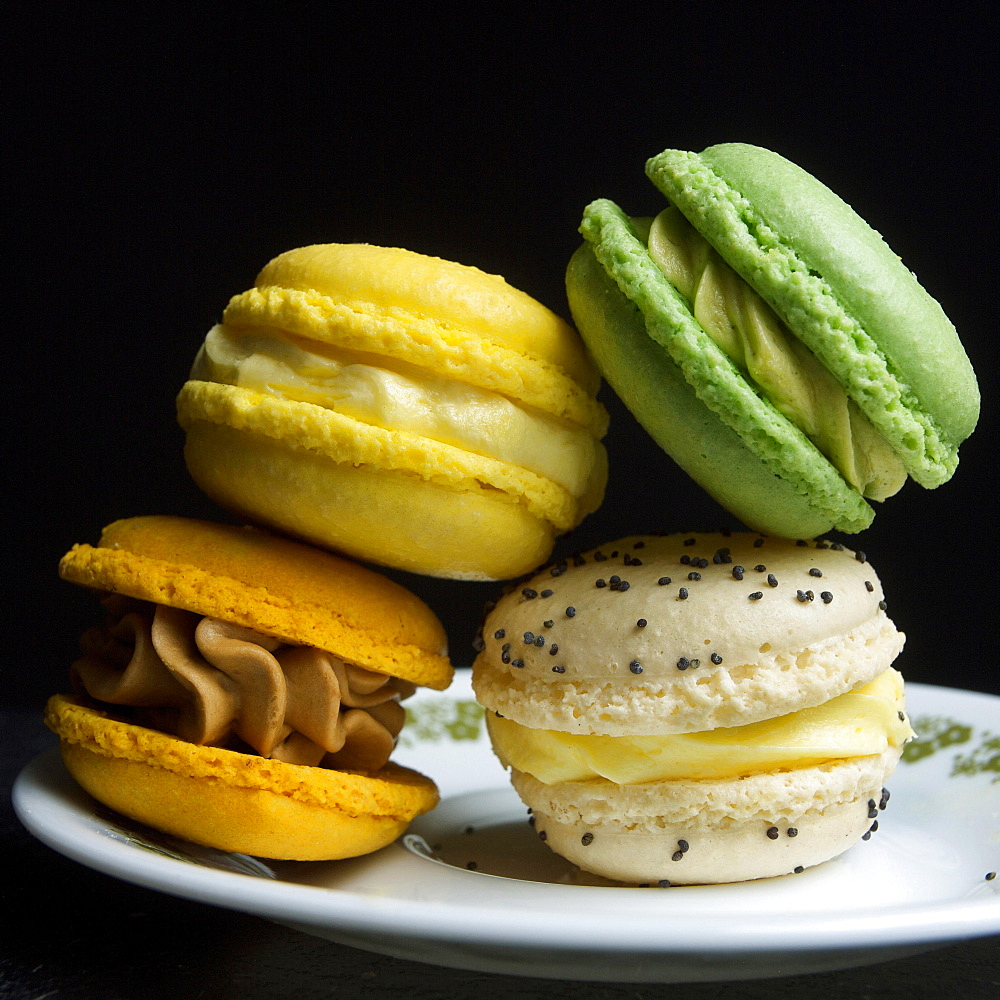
[(641, 623), (546, 593), (664, 883), (683, 846), (529, 638), (517, 663), (539, 641), (558, 670), (686, 560), (600, 557), (505, 647), (663, 581), (571, 612), (772, 833), (760, 568), (874, 826), (635, 666), (623, 586), (639, 545), (715, 658), (505, 657), (869, 586), (798, 869), (837, 547), (682, 594), (694, 576), (471, 865), (587, 839), (867, 835), (882, 605), (792, 831), (529, 593), (861, 557), (802, 596), (578, 560), (772, 580), (677, 856), (548, 623), (872, 809), (756, 595), (614, 580), (700, 563), (683, 663), (542, 835), (614, 555), (826, 597), (990, 876), (815, 571), (499, 633), (600, 583), (738, 572), (553, 649)]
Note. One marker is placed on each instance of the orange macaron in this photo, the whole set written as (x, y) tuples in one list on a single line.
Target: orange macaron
[(245, 691)]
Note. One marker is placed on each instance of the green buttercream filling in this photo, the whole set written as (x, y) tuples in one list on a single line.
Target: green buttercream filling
[(787, 374)]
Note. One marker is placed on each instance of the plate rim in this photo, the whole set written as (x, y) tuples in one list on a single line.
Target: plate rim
[(85, 839)]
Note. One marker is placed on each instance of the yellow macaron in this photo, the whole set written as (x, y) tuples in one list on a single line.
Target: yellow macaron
[(245, 691), (402, 409)]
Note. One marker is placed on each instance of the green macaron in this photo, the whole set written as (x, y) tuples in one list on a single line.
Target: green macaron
[(771, 342)]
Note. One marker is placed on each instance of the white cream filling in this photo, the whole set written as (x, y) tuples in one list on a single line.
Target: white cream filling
[(399, 397)]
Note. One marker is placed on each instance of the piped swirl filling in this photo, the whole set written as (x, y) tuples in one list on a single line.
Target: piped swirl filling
[(214, 683), (785, 371)]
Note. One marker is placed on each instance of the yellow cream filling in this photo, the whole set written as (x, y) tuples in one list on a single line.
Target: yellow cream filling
[(395, 396), (762, 347), (856, 724)]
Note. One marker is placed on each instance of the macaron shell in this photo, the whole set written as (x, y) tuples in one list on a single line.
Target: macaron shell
[(233, 801), (839, 288), (778, 649), (388, 516), (270, 584), (735, 445), (705, 832), (459, 300)]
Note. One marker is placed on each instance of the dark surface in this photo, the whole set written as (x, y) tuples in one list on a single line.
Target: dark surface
[(70, 933)]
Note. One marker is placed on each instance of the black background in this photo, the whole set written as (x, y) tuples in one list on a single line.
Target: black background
[(160, 158)]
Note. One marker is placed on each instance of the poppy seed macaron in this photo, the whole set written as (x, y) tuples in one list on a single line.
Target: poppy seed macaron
[(731, 694), (771, 342), (244, 692), (399, 408)]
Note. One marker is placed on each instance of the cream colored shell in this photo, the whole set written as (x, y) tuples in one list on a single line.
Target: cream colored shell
[(632, 833), (779, 652)]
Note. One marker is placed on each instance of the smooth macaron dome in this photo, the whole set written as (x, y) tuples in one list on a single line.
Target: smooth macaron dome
[(400, 408), (245, 689), (787, 317), (700, 687)]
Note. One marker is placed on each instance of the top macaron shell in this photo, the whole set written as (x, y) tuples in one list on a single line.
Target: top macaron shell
[(682, 633), (839, 288), (270, 584)]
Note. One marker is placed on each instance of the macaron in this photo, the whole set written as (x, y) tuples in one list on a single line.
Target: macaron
[(244, 692), (697, 708), (771, 342), (401, 409)]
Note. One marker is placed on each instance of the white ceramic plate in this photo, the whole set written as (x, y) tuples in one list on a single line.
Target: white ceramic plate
[(471, 887)]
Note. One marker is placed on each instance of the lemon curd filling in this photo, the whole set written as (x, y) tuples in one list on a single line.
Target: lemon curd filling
[(393, 395), (857, 724), (761, 346)]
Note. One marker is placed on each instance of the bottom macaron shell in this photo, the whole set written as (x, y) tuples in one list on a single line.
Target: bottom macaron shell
[(709, 832), (244, 820), (378, 515), (234, 801)]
